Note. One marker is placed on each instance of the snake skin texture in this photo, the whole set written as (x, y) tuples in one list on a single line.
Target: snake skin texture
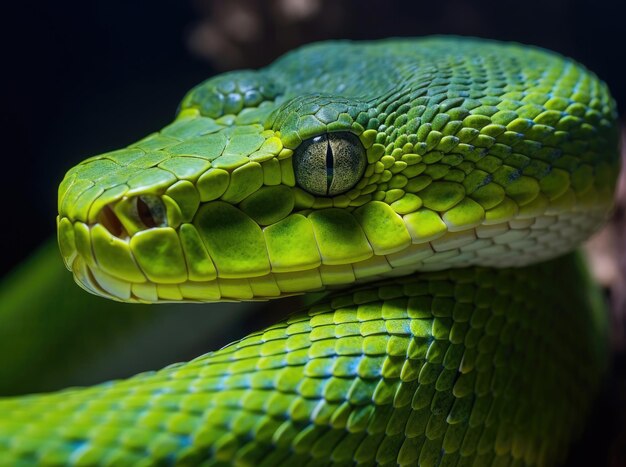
[(459, 367), (457, 338)]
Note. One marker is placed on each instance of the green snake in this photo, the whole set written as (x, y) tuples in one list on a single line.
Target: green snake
[(426, 189)]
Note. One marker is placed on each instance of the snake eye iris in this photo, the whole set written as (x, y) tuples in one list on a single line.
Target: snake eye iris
[(329, 164)]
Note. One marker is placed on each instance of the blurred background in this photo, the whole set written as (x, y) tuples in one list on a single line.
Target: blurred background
[(81, 78)]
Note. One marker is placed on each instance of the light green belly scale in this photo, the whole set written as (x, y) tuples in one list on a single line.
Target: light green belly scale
[(453, 338)]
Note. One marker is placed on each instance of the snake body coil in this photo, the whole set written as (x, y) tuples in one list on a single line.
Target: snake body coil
[(437, 178)]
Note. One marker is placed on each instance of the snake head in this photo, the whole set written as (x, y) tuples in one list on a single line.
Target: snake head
[(299, 178)]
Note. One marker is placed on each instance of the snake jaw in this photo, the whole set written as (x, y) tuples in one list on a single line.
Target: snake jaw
[(224, 254)]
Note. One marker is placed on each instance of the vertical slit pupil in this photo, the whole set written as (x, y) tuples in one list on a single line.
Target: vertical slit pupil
[(330, 166)]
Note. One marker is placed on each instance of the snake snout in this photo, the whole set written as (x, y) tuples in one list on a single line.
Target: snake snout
[(112, 248)]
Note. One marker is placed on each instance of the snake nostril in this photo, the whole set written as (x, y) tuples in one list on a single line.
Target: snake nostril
[(111, 222)]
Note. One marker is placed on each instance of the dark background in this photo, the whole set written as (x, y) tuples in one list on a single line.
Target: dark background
[(80, 78)]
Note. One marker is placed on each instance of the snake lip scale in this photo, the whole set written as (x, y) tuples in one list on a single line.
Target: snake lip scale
[(431, 186)]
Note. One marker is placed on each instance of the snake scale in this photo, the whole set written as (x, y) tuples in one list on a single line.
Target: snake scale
[(428, 189)]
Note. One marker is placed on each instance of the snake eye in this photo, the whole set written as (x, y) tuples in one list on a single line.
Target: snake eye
[(329, 164)]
